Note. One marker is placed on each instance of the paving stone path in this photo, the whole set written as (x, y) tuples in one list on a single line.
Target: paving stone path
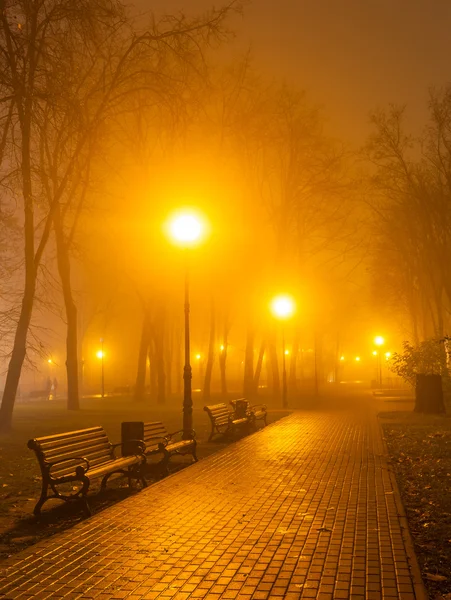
[(305, 508)]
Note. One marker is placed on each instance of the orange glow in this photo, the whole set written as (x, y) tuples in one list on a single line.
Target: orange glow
[(357, 358), (186, 228), (379, 340), (100, 354), (283, 306)]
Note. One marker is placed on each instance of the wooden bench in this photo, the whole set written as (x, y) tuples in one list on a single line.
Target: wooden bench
[(80, 456), (157, 441), (256, 412), (224, 421)]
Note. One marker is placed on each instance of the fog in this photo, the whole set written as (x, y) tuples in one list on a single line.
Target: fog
[(260, 123)]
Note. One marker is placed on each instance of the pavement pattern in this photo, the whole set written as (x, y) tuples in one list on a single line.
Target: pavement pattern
[(305, 508)]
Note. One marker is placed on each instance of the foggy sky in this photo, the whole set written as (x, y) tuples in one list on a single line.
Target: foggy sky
[(350, 55)]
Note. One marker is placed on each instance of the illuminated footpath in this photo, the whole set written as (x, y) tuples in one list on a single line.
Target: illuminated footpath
[(305, 508)]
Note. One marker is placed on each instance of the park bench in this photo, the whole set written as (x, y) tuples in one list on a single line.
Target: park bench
[(255, 412), (80, 457), (157, 441), (226, 422)]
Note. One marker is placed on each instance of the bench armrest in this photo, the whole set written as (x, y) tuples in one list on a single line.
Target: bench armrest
[(63, 460), (257, 407), (139, 444), (169, 436)]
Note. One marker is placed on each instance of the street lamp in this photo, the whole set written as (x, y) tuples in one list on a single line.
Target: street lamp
[(186, 229), (101, 356), (283, 307), (379, 341)]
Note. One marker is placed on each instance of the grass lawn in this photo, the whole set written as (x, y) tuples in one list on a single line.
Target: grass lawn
[(420, 453), (20, 481)]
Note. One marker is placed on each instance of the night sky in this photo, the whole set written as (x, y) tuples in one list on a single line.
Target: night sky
[(349, 55)]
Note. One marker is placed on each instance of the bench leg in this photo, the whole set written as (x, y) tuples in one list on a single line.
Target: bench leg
[(165, 463), (43, 497), (85, 505), (194, 451)]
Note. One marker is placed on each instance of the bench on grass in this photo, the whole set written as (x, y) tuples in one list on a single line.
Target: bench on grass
[(157, 441), (226, 422), (80, 457), (255, 412)]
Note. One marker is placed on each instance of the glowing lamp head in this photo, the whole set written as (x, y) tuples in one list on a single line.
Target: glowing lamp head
[(287, 352), (357, 358), (49, 361), (342, 357), (387, 355), (198, 356), (222, 347), (100, 354), (379, 340), (283, 307), (375, 353), (186, 228)]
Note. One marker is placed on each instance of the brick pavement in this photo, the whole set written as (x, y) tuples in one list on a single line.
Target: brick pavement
[(305, 508)]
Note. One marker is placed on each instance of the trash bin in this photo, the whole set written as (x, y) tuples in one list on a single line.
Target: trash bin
[(241, 407), (429, 394)]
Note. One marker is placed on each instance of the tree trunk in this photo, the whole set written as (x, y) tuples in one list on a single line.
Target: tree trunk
[(211, 354), (31, 265), (258, 368), (223, 357), (159, 339), (275, 377), (248, 381), (152, 370), (17, 358), (63, 262), (293, 362), (140, 385)]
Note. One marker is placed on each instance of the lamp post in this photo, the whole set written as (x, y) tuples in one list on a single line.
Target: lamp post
[(379, 341), (101, 355), (283, 307), (186, 229)]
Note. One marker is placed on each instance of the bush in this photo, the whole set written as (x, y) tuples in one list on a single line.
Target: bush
[(430, 357)]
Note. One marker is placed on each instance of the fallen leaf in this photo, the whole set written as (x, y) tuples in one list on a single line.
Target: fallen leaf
[(432, 577)]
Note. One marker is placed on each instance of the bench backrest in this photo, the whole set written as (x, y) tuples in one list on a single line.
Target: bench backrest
[(152, 434), (218, 413), (67, 449)]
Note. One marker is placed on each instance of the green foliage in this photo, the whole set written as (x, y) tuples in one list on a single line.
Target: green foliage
[(429, 358)]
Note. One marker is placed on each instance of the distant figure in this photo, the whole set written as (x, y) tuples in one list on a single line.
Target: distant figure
[(55, 387), (48, 387)]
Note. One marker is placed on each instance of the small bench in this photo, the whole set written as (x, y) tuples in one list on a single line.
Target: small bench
[(156, 440), (255, 412), (224, 421), (80, 456)]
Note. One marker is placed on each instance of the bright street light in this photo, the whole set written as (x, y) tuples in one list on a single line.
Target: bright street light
[(186, 228), (379, 341), (101, 355), (283, 307)]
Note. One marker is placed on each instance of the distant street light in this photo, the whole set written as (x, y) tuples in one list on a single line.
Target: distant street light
[(101, 356), (283, 308), (379, 341), (186, 229)]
